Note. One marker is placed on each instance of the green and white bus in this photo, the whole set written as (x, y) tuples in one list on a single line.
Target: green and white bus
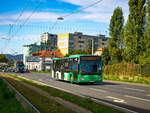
[(78, 68)]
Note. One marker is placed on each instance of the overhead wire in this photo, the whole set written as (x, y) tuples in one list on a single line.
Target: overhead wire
[(81, 9), (21, 13), (77, 11), (21, 25)]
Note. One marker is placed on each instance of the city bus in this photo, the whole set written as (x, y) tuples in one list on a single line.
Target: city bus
[(78, 69)]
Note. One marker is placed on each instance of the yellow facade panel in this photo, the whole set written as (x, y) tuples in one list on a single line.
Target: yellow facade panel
[(63, 43)]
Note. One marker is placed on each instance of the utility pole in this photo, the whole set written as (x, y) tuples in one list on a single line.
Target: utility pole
[(92, 46)]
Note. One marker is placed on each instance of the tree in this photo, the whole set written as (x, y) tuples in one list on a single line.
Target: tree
[(115, 31), (134, 31), (144, 59), (147, 33), (105, 56), (3, 58), (48, 43)]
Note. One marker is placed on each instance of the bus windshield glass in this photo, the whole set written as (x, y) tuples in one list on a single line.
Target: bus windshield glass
[(90, 67)]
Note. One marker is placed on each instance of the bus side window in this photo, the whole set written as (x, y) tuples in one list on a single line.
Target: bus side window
[(75, 65)]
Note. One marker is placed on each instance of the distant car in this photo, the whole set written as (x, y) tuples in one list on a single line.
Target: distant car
[(10, 70)]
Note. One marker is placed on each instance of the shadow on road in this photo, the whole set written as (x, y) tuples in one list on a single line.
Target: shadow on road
[(103, 83)]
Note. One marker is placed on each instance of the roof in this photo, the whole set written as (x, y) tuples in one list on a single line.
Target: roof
[(73, 56), (100, 49), (48, 53)]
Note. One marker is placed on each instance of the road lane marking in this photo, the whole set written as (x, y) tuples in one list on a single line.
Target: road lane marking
[(116, 99), (134, 89), (137, 98), (148, 95), (100, 90)]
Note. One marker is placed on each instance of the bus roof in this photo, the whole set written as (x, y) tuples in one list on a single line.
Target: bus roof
[(73, 56), (78, 55)]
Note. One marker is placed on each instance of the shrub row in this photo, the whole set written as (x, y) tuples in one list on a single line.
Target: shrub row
[(134, 79), (126, 69)]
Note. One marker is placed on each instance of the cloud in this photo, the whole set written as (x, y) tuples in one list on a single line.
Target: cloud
[(32, 38), (102, 11), (78, 2), (20, 38), (16, 43), (36, 17)]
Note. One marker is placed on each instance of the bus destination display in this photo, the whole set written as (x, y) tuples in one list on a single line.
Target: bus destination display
[(90, 58)]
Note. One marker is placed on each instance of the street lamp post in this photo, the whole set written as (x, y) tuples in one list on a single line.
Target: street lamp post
[(92, 46)]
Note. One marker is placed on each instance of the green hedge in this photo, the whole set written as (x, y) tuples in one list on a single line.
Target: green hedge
[(133, 79), (122, 69)]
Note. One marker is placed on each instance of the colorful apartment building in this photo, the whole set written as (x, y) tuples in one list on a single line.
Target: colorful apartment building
[(77, 40), (49, 38)]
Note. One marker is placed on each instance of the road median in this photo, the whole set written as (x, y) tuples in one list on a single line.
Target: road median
[(81, 102)]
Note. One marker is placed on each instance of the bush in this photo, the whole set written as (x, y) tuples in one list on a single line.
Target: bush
[(122, 69)]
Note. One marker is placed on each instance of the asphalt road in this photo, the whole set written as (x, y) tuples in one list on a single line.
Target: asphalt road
[(133, 97)]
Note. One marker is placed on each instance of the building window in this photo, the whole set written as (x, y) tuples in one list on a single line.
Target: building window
[(81, 41)]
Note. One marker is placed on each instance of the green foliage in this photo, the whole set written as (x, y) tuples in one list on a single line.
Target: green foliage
[(134, 31), (122, 69), (132, 79), (48, 43), (45, 72), (10, 63), (7, 93), (116, 32), (3, 58), (147, 33), (105, 56), (116, 25)]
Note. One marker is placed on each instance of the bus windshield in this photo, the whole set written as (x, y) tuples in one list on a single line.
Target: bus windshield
[(90, 67)]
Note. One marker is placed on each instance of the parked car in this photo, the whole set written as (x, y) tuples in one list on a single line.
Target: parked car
[(11, 70)]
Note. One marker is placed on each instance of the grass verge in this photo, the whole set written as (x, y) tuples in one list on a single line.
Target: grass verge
[(42, 103), (44, 72), (8, 101), (85, 103), (132, 79)]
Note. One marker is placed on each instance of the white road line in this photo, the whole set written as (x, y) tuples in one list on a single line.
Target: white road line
[(134, 89), (137, 98), (148, 95), (100, 90), (116, 99)]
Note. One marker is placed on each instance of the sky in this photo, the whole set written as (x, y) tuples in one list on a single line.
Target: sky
[(23, 21)]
